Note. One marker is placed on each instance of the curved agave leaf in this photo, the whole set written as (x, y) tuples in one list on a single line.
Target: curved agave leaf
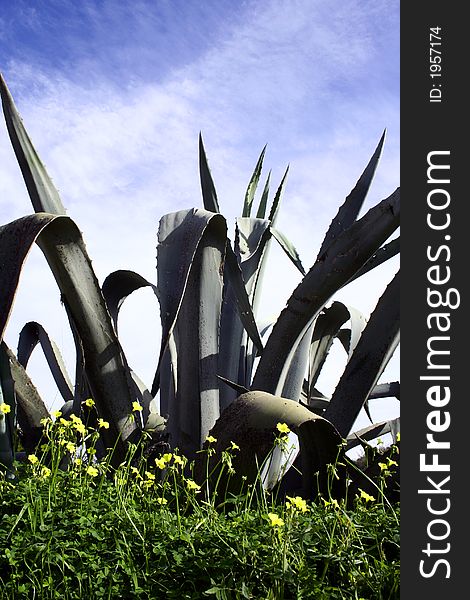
[(386, 390), (326, 328), (383, 254), (118, 286), (348, 212), (190, 257), (30, 408), (62, 244), (373, 432), (375, 348), (250, 422), (347, 253), (32, 334), (209, 195)]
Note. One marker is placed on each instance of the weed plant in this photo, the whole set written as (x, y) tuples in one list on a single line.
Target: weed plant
[(75, 527)]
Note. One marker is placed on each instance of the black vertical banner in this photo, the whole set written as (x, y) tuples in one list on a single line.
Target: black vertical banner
[(435, 355)]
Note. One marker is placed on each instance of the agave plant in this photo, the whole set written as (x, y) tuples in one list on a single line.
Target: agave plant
[(218, 373)]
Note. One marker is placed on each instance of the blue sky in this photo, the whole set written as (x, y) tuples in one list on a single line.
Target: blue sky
[(115, 93)]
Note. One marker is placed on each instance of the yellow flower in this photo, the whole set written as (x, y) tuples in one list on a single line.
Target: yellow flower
[(275, 520), (178, 460), (297, 503), (161, 464), (103, 424), (392, 462), (71, 447), (5, 408), (92, 471), (398, 436), (33, 459), (45, 472), (56, 414), (44, 421), (192, 485), (333, 502), (282, 428), (150, 475), (211, 439), (383, 466), (78, 461), (89, 402), (162, 501), (367, 497), (136, 406), (64, 422), (80, 427), (167, 457), (235, 446)]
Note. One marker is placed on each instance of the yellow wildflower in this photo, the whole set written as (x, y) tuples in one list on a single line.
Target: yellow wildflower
[(56, 414), (167, 457), (283, 428), (162, 501), (398, 436), (92, 471), (192, 485), (136, 406), (161, 464), (89, 402), (234, 446), (150, 475), (211, 439), (367, 497), (33, 459), (103, 424), (275, 520), (178, 460), (80, 427), (71, 447), (297, 503), (45, 472), (5, 408), (64, 422)]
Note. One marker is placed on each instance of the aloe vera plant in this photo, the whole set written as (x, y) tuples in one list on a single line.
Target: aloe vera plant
[(208, 379)]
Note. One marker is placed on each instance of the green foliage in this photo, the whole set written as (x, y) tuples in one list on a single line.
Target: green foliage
[(145, 530)]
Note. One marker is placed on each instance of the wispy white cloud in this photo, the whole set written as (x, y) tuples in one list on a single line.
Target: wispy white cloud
[(317, 81)]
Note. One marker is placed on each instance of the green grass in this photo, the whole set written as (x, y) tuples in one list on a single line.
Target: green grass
[(143, 531)]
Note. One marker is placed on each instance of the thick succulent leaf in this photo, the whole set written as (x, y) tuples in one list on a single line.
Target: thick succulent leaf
[(180, 236), (7, 420), (61, 242), (190, 258), (386, 390), (372, 432), (253, 185), (209, 195), (42, 192), (263, 203), (16, 239), (250, 422), (118, 286), (288, 248), (32, 334), (383, 254), (371, 355), (349, 251), (30, 407), (348, 212), (290, 385), (327, 324)]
